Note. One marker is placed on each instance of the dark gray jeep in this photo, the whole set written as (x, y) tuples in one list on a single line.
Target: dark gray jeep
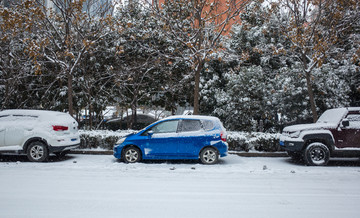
[(335, 134)]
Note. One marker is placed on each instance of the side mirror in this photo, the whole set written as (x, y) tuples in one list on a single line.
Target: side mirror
[(150, 133), (345, 123)]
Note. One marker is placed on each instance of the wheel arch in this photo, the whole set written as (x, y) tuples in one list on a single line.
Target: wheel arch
[(209, 146), (131, 145), (34, 139), (317, 154), (324, 138)]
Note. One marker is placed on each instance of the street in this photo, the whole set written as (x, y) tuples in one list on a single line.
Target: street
[(102, 186)]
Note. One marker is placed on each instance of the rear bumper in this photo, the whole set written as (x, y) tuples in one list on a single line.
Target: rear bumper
[(54, 149), (224, 154), (223, 149)]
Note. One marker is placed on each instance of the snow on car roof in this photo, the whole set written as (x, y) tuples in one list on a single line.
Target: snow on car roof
[(353, 108), (332, 115), (200, 117), (25, 112), (335, 115)]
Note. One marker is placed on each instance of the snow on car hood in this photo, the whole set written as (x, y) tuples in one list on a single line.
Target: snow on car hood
[(312, 126)]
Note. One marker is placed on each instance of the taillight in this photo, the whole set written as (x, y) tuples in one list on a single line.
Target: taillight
[(223, 136), (60, 128)]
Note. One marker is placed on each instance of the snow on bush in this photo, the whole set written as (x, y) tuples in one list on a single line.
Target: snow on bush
[(238, 141), (253, 141), (101, 139)]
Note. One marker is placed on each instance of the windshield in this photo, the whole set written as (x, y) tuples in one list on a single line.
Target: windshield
[(332, 116)]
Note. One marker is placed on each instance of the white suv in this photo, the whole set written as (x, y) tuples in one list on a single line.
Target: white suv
[(37, 133)]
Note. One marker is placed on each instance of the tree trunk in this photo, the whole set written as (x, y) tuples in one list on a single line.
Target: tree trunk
[(90, 116), (198, 59), (7, 95), (309, 87), (127, 119), (134, 112), (70, 93), (197, 89), (311, 96)]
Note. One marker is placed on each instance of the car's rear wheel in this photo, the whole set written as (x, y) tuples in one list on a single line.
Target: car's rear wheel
[(37, 152), (131, 155), (209, 156), (317, 154)]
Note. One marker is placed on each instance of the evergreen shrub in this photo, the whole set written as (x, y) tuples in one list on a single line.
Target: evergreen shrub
[(238, 141)]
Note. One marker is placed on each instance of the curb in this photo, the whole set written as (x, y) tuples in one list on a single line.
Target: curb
[(242, 154), (92, 152), (260, 154)]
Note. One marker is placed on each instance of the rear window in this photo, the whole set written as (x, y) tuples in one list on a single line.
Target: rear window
[(16, 117), (25, 116), (208, 125), (190, 125)]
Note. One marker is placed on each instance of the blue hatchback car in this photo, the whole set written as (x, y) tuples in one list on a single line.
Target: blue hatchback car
[(176, 137)]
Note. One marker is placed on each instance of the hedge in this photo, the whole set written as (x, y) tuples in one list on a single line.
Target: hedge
[(238, 141), (254, 141)]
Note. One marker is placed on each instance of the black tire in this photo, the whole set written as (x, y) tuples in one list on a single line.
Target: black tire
[(37, 152), (209, 156), (316, 154), (131, 155), (296, 156)]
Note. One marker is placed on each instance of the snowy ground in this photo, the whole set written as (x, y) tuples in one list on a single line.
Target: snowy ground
[(100, 186)]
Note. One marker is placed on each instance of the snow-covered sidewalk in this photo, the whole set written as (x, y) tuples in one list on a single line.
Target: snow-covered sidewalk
[(100, 186)]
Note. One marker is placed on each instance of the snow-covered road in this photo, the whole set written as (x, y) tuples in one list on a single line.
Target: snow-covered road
[(100, 186)]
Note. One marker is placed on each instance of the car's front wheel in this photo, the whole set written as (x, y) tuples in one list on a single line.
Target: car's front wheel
[(37, 152), (209, 156), (317, 154), (131, 155)]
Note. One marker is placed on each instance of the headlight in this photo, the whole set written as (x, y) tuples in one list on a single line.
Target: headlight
[(294, 134), (120, 141)]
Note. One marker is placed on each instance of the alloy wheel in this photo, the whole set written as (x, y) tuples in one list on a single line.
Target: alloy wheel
[(132, 155), (37, 152), (209, 156)]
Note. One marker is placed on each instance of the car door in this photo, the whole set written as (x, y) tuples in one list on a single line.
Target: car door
[(351, 134), (163, 141), (14, 132), (191, 137)]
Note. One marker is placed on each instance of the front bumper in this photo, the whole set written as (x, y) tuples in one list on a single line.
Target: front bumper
[(291, 144), (117, 151)]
